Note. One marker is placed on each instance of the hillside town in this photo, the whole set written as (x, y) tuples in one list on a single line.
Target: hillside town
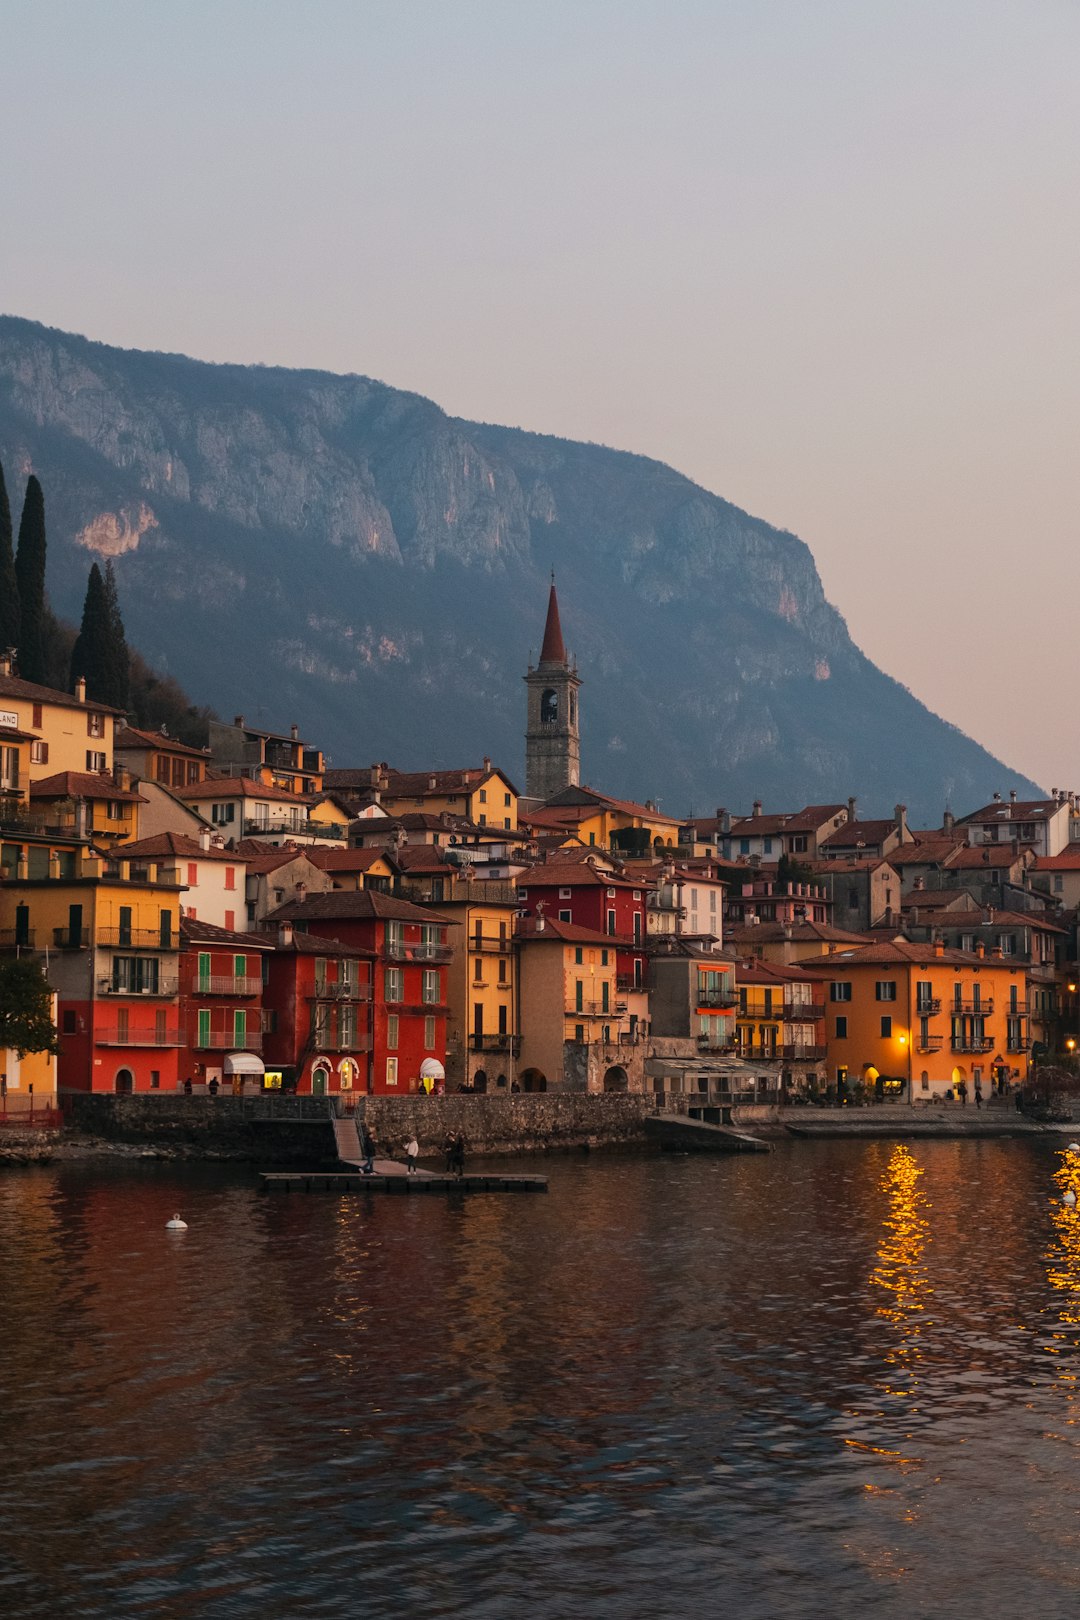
[(244, 918)]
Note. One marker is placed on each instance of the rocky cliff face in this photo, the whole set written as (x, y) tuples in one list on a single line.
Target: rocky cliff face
[(299, 546)]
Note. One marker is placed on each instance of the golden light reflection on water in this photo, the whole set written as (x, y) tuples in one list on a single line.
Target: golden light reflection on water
[(1063, 1256), (901, 1273)]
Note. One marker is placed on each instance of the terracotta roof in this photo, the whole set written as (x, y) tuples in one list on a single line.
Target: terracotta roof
[(82, 785), (854, 833), (990, 917), (751, 970), (529, 931), (359, 905), (569, 874), (188, 849), (347, 860), (560, 810), (895, 953), (926, 851), (237, 787), (797, 932), (9, 733), (850, 863), (935, 899), (553, 651), (194, 932), (14, 687), (423, 858), (416, 784), (1015, 810), (303, 944), (1067, 861), (977, 855), (131, 737)]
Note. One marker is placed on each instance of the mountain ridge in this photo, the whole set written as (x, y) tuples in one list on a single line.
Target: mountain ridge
[(309, 546)]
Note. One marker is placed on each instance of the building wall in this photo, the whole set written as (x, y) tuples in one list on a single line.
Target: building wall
[(66, 730)]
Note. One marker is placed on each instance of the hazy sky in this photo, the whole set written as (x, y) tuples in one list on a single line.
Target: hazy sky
[(822, 256)]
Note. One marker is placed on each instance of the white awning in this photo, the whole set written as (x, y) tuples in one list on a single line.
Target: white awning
[(243, 1063), (432, 1069)]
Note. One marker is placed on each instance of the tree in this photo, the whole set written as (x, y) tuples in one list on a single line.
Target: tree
[(9, 589), (30, 579), (89, 656), (26, 1016), (119, 660), (789, 870)]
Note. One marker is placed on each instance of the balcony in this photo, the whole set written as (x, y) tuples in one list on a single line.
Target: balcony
[(398, 951), (801, 1054), (961, 1045), (594, 1009), (71, 939), (430, 1009), (225, 984), (498, 945), (224, 1040), (627, 985), (495, 1043), (715, 1043), (360, 1042), (10, 938), (445, 890), (1016, 1043), (164, 988), (138, 1037), (283, 829), (136, 939), (928, 1007), (35, 824), (986, 1005), (929, 1043), (803, 1012), (716, 998), (340, 991)]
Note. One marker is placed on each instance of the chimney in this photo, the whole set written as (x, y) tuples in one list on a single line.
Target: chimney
[(238, 720), (7, 658), (939, 947), (980, 949), (285, 934), (431, 784), (997, 798), (920, 883), (901, 822), (374, 776), (204, 838), (851, 809), (723, 820), (948, 821), (294, 733), (757, 807), (80, 689), (1012, 795), (301, 891), (487, 763)]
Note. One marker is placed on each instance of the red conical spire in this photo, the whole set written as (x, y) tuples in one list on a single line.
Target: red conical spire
[(553, 651)]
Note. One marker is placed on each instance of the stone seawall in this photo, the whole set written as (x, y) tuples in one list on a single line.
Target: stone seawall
[(297, 1131)]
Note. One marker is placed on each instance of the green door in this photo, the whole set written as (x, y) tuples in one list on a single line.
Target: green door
[(318, 1083)]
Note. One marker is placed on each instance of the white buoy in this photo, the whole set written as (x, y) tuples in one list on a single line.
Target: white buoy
[(1069, 1198), (177, 1225)]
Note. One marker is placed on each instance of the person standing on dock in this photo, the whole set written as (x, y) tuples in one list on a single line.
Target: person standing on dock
[(457, 1155), (367, 1148), (412, 1153)]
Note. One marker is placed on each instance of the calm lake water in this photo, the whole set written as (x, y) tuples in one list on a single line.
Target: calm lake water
[(841, 1378)]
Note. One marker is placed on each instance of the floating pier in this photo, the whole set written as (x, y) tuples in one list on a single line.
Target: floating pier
[(679, 1134), (354, 1181)]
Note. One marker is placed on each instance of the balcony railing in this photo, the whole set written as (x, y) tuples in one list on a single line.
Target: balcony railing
[(164, 987), (801, 1054), (340, 991), (428, 1008), (34, 824), (928, 1043), (138, 1037), (444, 890), (398, 951), (594, 1009), (10, 937), (301, 829), (225, 1040), (803, 1011), (960, 1045), (494, 944), (1016, 1043), (928, 1007), (138, 939), (71, 939), (627, 985), (986, 1005), (716, 998), (495, 1043), (360, 1042), (715, 1043), (225, 984)]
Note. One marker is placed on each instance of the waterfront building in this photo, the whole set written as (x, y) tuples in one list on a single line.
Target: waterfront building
[(409, 947), (64, 732), (221, 1005), (107, 809), (214, 877), (692, 995), (275, 875), (272, 758), (780, 1023), (575, 1033), (356, 868), (553, 721), (915, 1018), (28, 1084), (765, 900), (317, 1019)]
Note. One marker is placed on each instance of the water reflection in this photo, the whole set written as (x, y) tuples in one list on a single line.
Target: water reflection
[(1063, 1256), (901, 1272)]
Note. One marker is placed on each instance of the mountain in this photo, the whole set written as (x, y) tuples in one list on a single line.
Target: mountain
[(299, 546)]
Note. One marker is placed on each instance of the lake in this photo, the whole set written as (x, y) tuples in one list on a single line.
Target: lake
[(840, 1377)]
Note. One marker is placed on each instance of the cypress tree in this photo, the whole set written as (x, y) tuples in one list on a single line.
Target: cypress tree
[(119, 660), (89, 656), (30, 578), (9, 589)]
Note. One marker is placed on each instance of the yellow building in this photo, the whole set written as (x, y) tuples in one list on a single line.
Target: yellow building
[(779, 1020), (571, 1017), (920, 1021), (153, 756), (99, 806), (604, 823), (27, 1084), (481, 794), (64, 732)]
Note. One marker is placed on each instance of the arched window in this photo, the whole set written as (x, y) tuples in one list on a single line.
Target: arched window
[(549, 707)]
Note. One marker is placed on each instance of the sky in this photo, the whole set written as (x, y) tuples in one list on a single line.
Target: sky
[(823, 257)]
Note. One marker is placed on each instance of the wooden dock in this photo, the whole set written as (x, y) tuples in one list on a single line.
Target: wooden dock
[(354, 1181)]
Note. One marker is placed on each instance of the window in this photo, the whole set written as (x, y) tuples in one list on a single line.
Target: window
[(506, 800), (95, 724), (429, 1034), (393, 983), (155, 1079), (483, 795), (192, 875), (579, 1034), (37, 720), (320, 974), (566, 916), (478, 969), (69, 1025), (39, 755), (230, 920), (603, 958), (430, 991), (239, 1026), (391, 1071), (611, 922), (924, 993), (841, 1029), (886, 1029), (230, 877), (240, 967), (1008, 944), (885, 990), (605, 994), (220, 814), (1059, 882), (94, 761), (744, 846), (766, 845), (136, 974), (577, 955), (392, 1026), (204, 1027), (579, 995), (840, 990), (566, 894)]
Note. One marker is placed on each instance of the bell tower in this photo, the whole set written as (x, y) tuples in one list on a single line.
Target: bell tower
[(552, 733)]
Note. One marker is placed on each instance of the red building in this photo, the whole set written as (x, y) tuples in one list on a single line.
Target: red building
[(318, 1014), (409, 993), (581, 893), (221, 1005)]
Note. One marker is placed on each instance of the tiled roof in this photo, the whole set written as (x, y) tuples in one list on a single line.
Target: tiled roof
[(1015, 810), (553, 650), (990, 917), (13, 686), (194, 932), (751, 970), (977, 855), (303, 944), (82, 785), (237, 787), (571, 874), (347, 860), (587, 801), (1067, 861), (935, 899), (529, 930), (854, 833), (894, 953), (925, 851), (357, 905), (188, 849), (797, 932), (131, 737)]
